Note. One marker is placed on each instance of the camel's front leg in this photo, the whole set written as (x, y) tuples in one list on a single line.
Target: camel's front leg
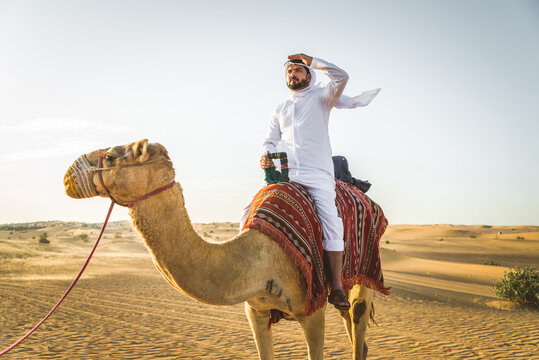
[(314, 327), (357, 319), (262, 334)]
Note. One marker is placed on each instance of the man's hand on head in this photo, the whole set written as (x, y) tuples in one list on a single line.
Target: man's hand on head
[(307, 60)]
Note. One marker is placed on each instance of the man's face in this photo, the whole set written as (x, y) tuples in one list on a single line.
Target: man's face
[(297, 77)]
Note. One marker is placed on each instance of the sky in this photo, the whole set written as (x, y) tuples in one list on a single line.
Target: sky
[(451, 138)]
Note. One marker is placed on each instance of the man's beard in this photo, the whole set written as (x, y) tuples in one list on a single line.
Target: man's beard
[(297, 85)]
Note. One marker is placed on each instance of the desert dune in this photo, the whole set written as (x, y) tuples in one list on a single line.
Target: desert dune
[(442, 304)]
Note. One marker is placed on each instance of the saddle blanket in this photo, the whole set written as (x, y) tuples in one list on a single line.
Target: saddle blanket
[(286, 212)]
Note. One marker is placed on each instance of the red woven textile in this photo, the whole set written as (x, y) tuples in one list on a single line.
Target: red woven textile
[(364, 224), (286, 213)]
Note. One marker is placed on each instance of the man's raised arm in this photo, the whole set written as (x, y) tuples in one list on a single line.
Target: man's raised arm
[(338, 77)]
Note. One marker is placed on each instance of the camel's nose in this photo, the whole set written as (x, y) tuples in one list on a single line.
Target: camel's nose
[(78, 180), (70, 184)]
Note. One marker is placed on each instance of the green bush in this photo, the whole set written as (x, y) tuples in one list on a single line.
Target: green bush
[(43, 238), (83, 237), (520, 285)]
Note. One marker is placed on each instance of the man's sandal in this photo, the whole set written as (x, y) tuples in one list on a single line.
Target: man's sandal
[(339, 300)]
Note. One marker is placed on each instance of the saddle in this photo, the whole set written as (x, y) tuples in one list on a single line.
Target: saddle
[(285, 212)]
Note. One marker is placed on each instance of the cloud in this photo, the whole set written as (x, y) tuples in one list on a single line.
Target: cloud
[(56, 137), (70, 146), (33, 154), (64, 124)]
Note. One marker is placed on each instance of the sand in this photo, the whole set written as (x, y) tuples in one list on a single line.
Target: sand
[(442, 304)]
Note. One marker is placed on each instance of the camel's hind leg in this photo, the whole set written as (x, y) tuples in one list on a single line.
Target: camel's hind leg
[(313, 328), (357, 318), (262, 334)]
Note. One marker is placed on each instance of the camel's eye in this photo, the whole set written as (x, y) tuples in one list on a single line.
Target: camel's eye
[(109, 157)]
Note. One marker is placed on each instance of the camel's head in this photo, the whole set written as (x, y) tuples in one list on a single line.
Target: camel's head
[(129, 172)]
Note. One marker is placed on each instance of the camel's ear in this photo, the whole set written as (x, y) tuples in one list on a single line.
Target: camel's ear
[(140, 150)]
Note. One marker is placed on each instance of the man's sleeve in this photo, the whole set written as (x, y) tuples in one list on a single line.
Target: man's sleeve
[(273, 136), (363, 99), (338, 77)]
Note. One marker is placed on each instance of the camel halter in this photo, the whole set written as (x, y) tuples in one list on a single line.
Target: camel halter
[(130, 204), (100, 169)]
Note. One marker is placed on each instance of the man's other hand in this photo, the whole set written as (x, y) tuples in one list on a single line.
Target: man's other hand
[(265, 162), (307, 60)]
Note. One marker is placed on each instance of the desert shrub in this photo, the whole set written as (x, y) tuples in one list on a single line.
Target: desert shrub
[(520, 237), (118, 235), (520, 285), (83, 237), (441, 239), (43, 238), (473, 236), (490, 261), (387, 241)]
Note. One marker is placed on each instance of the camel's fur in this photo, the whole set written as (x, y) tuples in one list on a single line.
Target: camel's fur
[(248, 268)]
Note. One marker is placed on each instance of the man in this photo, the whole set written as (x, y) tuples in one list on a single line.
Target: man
[(299, 127)]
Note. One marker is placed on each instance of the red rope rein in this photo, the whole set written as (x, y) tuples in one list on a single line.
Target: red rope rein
[(67, 291), (155, 192)]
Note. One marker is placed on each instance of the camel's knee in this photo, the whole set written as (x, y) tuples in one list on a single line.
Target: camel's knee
[(358, 311)]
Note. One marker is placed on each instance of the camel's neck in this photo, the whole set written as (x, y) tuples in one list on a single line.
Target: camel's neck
[(205, 271)]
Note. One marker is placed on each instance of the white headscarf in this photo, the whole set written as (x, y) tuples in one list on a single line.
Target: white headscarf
[(344, 101)]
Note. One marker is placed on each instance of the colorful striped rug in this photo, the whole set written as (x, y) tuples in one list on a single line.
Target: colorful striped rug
[(286, 213)]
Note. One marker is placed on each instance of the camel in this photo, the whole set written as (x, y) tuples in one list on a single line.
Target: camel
[(249, 268)]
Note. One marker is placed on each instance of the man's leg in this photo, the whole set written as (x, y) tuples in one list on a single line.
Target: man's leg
[(336, 296), (333, 240), (335, 265)]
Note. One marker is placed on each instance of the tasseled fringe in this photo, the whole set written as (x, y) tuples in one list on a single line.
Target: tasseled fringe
[(365, 281)]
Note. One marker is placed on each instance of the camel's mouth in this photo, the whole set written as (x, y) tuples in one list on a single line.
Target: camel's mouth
[(78, 180)]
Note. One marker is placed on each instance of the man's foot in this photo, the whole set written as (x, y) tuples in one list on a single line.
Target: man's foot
[(338, 299)]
